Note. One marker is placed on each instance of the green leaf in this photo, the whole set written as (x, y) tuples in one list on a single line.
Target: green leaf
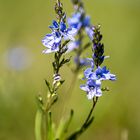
[(38, 124), (78, 132), (40, 103), (65, 43), (50, 127), (88, 123), (69, 121), (48, 85), (62, 81), (86, 45), (54, 66), (57, 57), (64, 61), (63, 126)]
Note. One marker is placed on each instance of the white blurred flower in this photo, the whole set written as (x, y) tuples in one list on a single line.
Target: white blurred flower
[(18, 58)]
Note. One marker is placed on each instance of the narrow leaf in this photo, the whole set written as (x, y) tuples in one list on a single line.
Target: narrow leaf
[(63, 126), (50, 127), (38, 124)]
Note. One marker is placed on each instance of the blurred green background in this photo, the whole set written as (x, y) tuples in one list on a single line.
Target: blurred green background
[(23, 69)]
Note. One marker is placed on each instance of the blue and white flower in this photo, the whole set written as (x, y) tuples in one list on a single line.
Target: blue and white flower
[(67, 33), (92, 89), (94, 79), (90, 32), (73, 45), (54, 26), (78, 21), (52, 42), (99, 74), (75, 21), (104, 74), (84, 61)]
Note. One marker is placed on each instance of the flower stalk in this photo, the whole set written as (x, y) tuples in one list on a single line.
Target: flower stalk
[(53, 43), (86, 124), (60, 41)]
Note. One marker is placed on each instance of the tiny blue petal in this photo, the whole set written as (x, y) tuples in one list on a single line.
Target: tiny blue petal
[(62, 26), (86, 21), (55, 24)]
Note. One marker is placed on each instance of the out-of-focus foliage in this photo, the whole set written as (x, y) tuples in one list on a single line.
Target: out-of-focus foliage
[(23, 69)]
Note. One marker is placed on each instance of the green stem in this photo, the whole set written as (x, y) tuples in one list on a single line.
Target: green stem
[(90, 113), (85, 125), (50, 129), (69, 92), (38, 124)]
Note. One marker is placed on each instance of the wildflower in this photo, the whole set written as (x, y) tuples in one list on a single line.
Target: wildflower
[(78, 21), (92, 89), (53, 41), (95, 76), (67, 33), (99, 74), (75, 21), (84, 61), (104, 74), (90, 32), (54, 26), (73, 45)]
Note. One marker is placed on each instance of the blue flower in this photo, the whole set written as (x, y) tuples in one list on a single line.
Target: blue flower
[(75, 21), (52, 42), (67, 33), (73, 45), (95, 75), (99, 74), (84, 61), (94, 79), (90, 32), (78, 20), (86, 21), (92, 89), (88, 72), (54, 25), (104, 74)]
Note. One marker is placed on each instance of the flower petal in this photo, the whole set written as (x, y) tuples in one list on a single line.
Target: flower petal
[(72, 45), (91, 94), (98, 92), (87, 72), (84, 87), (62, 26)]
